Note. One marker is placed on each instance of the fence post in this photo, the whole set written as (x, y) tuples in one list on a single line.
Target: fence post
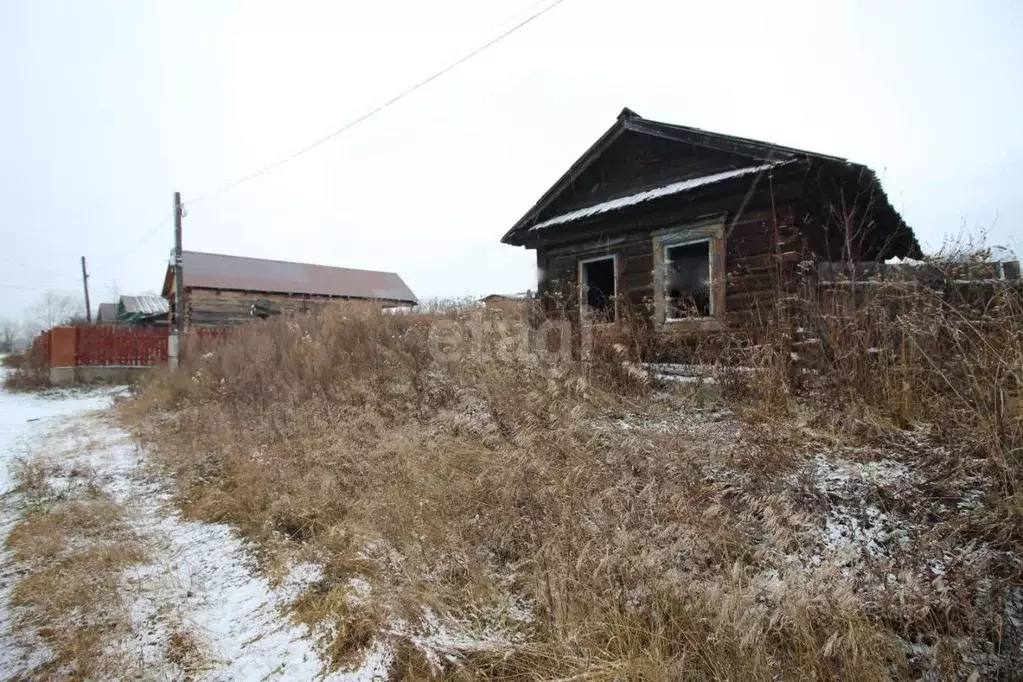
[(173, 344), (62, 355)]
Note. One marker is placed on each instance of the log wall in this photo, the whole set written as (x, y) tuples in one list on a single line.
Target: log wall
[(762, 246), (222, 308)]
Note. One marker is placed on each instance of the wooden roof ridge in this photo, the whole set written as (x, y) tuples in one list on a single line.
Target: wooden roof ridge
[(629, 120)]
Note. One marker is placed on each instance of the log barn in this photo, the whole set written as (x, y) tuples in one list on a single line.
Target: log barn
[(220, 290), (699, 231)]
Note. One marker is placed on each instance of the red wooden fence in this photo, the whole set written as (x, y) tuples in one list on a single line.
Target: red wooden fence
[(41, 350), (120, 346)]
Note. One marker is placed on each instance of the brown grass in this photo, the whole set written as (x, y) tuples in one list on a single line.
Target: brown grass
[(643, 537), (930, 353), (13, 360), (24, 374), (72, 546)]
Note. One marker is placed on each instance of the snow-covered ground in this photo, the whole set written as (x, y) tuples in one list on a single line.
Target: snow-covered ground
[(200, 579), (23, 418)]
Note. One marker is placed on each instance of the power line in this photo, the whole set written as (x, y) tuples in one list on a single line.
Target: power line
[(351, 124), (22, 264), (25, 288), (149, 235)]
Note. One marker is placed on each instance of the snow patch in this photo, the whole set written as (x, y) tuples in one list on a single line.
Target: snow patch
[(854, 529), (444, 641), (200, 580), (835, 475), (912, 262), (24, 419)]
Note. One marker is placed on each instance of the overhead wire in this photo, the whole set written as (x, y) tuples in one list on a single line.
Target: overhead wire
[(21, 287), (36, 270), (149, 235), (346, 127), (25, 288), (356, 121)]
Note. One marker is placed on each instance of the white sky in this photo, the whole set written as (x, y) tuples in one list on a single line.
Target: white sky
[(108, 106)]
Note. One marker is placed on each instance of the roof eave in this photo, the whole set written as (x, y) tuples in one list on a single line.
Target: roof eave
[(298, 294), (167, 279)]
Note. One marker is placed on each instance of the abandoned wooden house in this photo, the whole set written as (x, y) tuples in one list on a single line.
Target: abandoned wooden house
[(220, 290), (700, 229)]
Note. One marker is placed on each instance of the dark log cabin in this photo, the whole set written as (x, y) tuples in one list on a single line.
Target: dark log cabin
[(221, 290), (700, 229)]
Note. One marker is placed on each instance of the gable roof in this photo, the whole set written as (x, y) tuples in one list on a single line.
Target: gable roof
[(144, 309), (218, 271), (107, 313), (144, 305), (762, 156)]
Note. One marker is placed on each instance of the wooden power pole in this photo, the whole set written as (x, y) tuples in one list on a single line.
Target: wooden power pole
[(179, 303), (85, 285)]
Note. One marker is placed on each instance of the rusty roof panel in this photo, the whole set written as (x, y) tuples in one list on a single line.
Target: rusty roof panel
[(217, 271)]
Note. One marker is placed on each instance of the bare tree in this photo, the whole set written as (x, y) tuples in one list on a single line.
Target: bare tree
[(8, 335), (51, 310), (113, 290)]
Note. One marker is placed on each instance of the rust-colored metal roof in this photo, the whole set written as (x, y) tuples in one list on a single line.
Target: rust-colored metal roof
[(217, 271)]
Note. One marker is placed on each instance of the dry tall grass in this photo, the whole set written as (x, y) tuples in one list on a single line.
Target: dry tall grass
[(585, 526), (24, 373), (936, 348), (71, 547)]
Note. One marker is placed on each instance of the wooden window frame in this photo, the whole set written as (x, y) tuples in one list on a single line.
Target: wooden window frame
[(709, 241), (711, 231), (584, 312)]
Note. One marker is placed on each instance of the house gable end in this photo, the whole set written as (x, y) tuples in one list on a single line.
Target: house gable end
[(576, 169), (636, 154), (637, 161)]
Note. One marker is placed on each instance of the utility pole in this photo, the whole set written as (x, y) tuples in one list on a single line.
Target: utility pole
[(179, 303), (178, 332), (85, 285)]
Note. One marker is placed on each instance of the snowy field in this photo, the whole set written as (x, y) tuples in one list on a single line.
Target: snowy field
[(199, 578)]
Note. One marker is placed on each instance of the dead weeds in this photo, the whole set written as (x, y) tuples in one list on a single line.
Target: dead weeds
[(514, 519), (72, 549)]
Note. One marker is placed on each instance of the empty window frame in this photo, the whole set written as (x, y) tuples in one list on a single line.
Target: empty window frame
[(688, 280), (598, 287)]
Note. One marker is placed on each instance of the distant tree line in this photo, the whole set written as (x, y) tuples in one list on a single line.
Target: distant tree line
[(50, 310)]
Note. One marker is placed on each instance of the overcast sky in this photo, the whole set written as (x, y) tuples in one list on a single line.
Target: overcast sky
[(109, 106)]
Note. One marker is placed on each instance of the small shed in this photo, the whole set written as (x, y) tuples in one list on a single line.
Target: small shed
[(145, 310), (222, 290), (107, 313), (698, 230), (508, 303)]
